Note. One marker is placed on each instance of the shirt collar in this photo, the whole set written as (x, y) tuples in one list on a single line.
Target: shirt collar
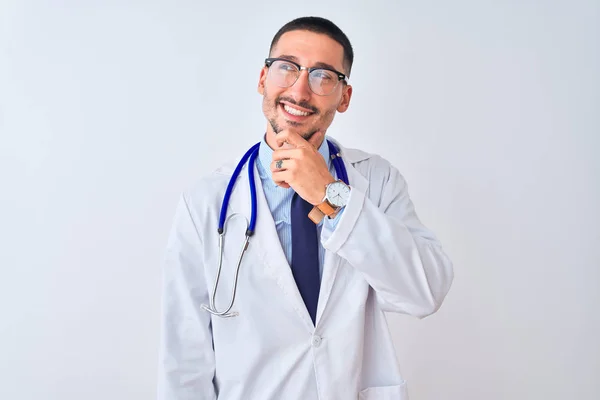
[(265, 156)]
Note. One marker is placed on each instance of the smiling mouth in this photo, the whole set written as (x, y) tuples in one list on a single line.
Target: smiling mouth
[(295, 112)]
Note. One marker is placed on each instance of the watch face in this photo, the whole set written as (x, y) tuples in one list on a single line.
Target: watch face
[(338, 193)]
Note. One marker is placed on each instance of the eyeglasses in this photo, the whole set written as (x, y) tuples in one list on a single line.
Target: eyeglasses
[(322, 81)]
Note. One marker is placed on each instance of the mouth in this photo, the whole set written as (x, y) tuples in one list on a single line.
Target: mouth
[(294, 113)]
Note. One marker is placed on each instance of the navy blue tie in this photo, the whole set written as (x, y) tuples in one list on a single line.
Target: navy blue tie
[(305, 254)]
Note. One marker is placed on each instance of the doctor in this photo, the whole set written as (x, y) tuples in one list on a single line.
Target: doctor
[(311, 292)]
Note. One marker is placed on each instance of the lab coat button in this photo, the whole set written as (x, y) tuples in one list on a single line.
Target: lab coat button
[(316, 341)]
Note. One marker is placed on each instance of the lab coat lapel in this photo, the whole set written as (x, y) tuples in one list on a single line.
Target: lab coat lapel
[(332, 261), (267, 245)]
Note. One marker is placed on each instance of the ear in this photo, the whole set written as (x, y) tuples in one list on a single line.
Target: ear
[(261, 80), (345, 102)]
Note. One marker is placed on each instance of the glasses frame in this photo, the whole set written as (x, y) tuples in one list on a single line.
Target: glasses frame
[(341, 77)]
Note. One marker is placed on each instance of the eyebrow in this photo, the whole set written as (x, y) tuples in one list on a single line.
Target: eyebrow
[(318, 64)]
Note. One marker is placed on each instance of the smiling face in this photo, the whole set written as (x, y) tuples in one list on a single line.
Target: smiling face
[(297, 107)]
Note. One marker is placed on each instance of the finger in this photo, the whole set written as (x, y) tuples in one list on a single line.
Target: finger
[(280, 177), (278, 165), (283, 165), (290, 137), (284, 154)]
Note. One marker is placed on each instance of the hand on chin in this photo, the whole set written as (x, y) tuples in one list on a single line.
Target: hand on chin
[(289, 128)]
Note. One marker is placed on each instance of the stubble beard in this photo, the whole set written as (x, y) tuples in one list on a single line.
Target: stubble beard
[(277, 128)]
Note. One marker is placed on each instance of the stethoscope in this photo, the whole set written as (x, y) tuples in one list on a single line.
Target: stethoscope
[(251, 154)]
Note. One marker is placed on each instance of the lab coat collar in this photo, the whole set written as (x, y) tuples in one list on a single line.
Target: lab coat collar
[(332, 260)]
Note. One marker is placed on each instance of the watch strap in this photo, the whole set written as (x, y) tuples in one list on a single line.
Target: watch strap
[(326, 208), (316, 215)]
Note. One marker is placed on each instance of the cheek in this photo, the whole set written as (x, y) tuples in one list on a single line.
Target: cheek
[(268, 102), (269, 97), (328, 112)]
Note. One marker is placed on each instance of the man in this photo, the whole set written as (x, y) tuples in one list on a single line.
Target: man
[(311, 293)]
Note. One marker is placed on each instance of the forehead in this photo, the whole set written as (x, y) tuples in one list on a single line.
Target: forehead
[(310, 48)]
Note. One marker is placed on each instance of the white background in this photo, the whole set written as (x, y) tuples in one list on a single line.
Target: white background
[(490, 109)]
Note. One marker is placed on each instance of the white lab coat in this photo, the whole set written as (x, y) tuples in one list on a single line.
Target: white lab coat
[(379, 258)]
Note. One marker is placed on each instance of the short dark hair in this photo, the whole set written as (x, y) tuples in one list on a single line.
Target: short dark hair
[(323, 26)]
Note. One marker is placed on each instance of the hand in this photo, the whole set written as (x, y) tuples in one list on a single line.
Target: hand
[(303, 168)]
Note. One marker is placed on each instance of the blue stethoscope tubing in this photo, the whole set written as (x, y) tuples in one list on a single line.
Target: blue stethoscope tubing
[(251, 154)]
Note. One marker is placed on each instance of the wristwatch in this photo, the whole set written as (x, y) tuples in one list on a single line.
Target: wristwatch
[(336, 197)]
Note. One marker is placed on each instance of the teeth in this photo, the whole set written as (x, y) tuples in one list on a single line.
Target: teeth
[(294, 111)]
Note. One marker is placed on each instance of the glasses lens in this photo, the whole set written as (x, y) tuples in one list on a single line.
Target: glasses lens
[(283, 73), (323, 81)]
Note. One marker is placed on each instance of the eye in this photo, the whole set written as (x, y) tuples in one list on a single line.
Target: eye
[(286, 66), (323, 74)]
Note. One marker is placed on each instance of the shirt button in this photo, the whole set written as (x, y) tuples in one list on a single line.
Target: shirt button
[(316, 341)]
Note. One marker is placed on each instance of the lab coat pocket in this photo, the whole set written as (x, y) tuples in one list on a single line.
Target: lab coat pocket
[(396, 392)]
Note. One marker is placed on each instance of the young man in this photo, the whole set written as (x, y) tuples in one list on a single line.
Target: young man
[(309, 308)]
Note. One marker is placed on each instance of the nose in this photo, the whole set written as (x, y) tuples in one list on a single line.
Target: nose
[(301, 88)]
